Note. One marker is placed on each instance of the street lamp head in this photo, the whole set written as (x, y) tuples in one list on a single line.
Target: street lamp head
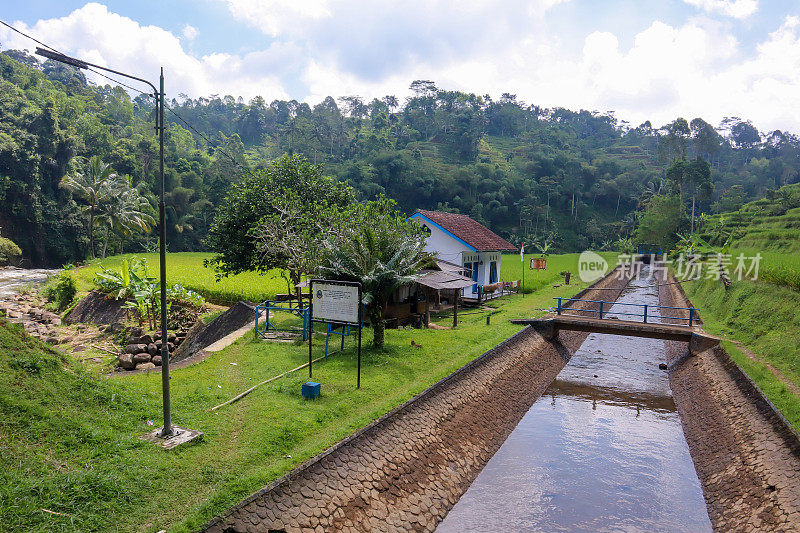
[(61, 58)]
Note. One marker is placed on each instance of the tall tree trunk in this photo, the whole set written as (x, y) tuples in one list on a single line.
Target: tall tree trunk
[(378, 325), (105, 243), (692, 213), (91, 229)]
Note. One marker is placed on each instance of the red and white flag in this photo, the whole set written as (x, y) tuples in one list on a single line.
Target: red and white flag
[(522, 253)]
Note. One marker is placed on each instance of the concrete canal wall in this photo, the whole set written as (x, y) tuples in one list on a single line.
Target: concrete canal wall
[(746, 455), (406, 470)]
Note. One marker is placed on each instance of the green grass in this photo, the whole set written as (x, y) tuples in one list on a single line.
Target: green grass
[(186, 268), (511, 268), (764, 318), (778, 268), (69, 440)]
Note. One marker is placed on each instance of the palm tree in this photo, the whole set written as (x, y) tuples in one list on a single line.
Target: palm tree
[(379, 248), (92, 185), (124, 211), (184, 223)]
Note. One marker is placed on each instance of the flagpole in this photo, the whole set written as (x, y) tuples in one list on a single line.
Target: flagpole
[(522, 258)]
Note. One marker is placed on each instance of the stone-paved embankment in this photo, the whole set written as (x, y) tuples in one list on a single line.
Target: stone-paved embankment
[(405, 471), (746, 456)]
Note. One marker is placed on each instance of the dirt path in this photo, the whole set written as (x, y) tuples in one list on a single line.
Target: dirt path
[(747, 458), (775, 372), (405, 471)]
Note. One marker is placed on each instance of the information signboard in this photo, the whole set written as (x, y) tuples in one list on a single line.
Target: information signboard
[(334, 302), (538, 263)]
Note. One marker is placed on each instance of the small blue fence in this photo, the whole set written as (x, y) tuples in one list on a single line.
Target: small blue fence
[(607, 305), (261, 329)]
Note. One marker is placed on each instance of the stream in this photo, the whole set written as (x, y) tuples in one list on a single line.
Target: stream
[(602, 450), (12, 278)]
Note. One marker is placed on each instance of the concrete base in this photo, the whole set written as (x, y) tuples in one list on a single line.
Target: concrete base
[(180, 436)]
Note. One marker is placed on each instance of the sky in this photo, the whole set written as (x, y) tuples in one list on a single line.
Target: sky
[(643, 59)]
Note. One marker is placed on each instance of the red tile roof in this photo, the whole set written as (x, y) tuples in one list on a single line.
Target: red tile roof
[(479, 237)]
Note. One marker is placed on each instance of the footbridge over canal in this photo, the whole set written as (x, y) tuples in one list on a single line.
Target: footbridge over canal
[(597, 321)]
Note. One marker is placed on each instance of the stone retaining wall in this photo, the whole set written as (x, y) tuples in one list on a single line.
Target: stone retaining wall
[(746, 455), (405, 471)]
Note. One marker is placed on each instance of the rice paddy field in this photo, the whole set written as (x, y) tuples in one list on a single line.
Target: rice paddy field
[(511, 268), (188, 270)]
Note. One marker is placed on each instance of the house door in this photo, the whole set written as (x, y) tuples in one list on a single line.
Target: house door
[(472, 272), (493, 272)]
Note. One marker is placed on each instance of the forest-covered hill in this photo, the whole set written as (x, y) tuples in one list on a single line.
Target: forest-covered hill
[(576, 178)]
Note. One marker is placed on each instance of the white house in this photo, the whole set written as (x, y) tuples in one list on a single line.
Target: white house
[(460, 240)]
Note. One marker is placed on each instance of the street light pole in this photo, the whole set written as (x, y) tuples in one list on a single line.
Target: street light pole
[(159, 97), (167, 431)]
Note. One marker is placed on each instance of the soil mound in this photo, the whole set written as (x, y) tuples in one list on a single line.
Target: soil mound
[(202, 335), (95, 308)]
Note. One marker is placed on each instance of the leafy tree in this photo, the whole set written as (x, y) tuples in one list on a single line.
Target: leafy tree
[(698, 180), (375, 244), (124, 211), (8, 250), (235, 228), (95, 183), (660, 222), (744, 134)]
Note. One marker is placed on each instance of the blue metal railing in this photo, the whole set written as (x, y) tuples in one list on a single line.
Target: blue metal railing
[(268, 325), (601, 313)]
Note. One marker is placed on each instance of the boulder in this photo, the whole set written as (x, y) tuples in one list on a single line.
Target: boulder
[(126, 361), (156, 360), (135, 348), (141, 358), (95, 308), (145, 366), (171, 338), (152, 349), (146, 339), (51, 340)]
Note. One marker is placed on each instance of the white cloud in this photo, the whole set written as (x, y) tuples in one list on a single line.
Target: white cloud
[(190, 32), (99, 36), (739, 9), (332, 47)]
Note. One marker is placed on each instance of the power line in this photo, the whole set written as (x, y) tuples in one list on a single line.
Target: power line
[(195, 130), (37, 41)]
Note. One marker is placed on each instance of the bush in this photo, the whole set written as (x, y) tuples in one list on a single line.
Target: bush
[(8, 250), (60, 290)]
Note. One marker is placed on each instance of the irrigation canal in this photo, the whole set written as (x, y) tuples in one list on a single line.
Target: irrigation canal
[(602, 450)]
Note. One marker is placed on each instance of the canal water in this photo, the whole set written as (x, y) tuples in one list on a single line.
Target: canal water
[(601, 450)]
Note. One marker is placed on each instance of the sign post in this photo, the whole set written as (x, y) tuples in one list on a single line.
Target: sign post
[(336, 302), (522, 258), (537, 264)]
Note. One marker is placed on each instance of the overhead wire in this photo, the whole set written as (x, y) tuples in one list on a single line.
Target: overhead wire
[(175, 113)]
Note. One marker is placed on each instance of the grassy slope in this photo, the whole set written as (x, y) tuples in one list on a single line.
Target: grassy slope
[(762, 315), (764, 318), (69, 441), (186, 268)]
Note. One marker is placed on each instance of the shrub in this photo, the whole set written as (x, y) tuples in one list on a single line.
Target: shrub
[(8, 250), (60, 290)]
